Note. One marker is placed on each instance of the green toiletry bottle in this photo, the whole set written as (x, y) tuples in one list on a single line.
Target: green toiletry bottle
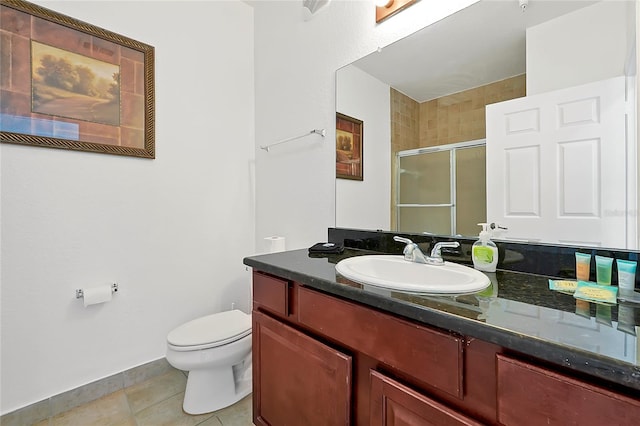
[(484, 252)]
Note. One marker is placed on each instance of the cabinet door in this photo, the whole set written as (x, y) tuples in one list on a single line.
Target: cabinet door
[(296, 379), (532, 395), (394, 404)]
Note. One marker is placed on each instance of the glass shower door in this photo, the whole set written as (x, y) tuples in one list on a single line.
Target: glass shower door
[(442, 190), (471, 190), (425, 187)]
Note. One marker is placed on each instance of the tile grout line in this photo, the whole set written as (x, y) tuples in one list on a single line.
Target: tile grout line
[(131, 413)]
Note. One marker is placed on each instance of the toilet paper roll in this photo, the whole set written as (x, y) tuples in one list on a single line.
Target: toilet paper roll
[(96, 295), (274, 244)]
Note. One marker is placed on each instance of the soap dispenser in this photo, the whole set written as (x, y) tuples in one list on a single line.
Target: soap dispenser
[(484, 252)]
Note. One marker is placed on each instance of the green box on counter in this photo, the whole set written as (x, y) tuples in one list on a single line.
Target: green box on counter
[(597, 293)]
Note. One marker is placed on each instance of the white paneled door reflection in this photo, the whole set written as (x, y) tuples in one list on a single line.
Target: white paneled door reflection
[(557, 167)]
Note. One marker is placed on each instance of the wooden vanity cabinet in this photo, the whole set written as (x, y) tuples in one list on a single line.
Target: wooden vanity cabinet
[(322, 360), (318, 360)]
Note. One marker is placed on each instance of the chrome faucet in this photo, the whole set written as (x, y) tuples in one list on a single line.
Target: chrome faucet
[(436, 256), (412, 252)]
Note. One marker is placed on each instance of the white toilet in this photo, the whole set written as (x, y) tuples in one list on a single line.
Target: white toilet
[(216, 351)]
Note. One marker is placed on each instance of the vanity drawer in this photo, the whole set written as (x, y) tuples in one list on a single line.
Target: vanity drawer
[(550, 398), (431, 357), (392, 403), (271, 294)]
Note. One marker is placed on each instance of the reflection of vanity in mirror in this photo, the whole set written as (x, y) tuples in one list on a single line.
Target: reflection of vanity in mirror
[(525, 119)]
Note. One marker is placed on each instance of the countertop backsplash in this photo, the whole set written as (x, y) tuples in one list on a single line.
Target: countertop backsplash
[(542, 259)]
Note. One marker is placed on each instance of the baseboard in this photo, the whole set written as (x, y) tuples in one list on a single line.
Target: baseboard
[(65, 401)]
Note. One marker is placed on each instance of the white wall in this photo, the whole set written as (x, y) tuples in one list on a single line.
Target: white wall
[(590, 44), (295, 66), (171, 231), (365, 204)]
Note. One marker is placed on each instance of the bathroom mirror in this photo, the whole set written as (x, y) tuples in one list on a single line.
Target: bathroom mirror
[(482, 47)]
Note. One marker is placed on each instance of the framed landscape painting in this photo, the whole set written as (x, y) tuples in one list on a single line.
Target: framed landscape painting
[(68, 84)]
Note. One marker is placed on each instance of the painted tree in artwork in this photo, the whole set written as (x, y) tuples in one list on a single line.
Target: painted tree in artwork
[(80, 79), (85, 83), (114, 87), (57, 72)]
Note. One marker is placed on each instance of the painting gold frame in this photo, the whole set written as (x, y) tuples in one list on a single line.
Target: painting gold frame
[(102, 100)]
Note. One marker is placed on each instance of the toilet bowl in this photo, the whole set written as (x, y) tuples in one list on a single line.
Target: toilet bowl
[(216, 351)]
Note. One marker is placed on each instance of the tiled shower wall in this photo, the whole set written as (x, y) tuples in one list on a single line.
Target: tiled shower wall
[(459, 117), (405, 117)]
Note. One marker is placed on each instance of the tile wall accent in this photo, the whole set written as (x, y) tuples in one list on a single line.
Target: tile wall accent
[(60, 403), (459, 117), (405, 116)]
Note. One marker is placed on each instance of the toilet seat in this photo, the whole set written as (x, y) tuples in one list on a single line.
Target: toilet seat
[(210, 331)]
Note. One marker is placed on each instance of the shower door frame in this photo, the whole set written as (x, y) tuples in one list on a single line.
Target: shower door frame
[(452, 148)]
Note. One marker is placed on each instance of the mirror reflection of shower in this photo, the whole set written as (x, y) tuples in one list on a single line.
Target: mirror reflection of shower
[(439, 188), (493, 61), (413, 173)]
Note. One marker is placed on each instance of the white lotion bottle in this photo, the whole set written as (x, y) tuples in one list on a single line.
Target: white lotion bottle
[(484, 252)]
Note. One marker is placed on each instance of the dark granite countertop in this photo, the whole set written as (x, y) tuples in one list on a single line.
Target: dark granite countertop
[(517, 312)]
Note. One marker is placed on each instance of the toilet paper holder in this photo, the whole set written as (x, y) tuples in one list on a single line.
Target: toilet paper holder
[(80, 294)]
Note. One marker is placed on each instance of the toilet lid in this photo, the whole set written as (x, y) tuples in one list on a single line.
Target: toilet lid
[(223, 327)]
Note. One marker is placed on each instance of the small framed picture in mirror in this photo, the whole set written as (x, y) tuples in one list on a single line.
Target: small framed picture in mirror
[(349, 141)]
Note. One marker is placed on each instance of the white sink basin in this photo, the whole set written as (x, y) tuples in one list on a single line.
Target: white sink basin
[(395, 273)]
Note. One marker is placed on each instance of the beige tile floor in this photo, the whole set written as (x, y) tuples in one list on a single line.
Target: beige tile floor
[(155, 402)]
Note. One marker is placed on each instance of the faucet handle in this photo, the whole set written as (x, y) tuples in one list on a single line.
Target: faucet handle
[(438, 246), (402, 240), (410, 248)]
